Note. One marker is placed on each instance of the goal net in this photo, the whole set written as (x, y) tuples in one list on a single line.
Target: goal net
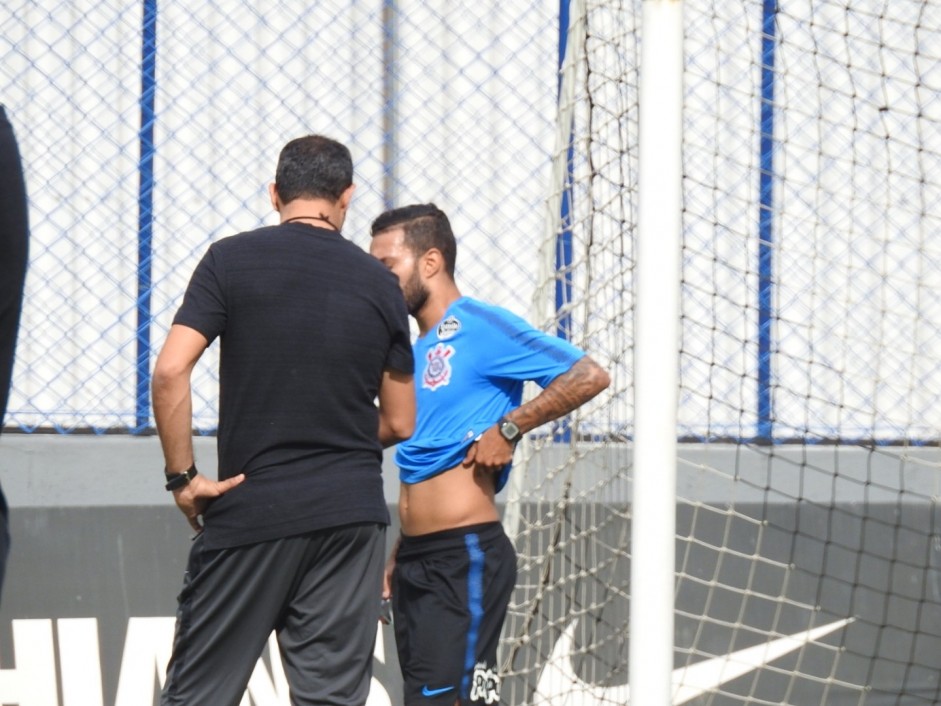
[(808, 545)]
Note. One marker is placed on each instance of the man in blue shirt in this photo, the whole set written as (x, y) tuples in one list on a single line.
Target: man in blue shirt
[(453, 570)]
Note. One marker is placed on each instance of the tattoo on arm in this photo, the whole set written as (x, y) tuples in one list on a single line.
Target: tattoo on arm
[(569, 391)]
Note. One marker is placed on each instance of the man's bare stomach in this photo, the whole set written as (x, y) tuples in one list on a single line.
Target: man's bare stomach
[(456, 498)]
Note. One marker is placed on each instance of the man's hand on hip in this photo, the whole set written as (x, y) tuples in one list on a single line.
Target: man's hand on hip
[(193, 497)]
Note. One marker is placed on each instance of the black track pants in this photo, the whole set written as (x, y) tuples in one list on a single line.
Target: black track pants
[(320, 592)]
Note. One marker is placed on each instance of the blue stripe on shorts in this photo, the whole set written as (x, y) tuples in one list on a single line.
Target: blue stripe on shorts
[(475, 601)]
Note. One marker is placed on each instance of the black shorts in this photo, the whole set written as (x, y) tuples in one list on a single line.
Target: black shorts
[(450, 593)]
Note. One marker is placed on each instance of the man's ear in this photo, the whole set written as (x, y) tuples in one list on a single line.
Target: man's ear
[(346, 197), (273, 195), (432, 263)]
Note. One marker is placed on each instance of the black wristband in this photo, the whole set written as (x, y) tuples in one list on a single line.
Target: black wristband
[(175, 481)]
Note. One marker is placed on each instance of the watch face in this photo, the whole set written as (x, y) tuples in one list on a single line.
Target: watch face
[(509, 430)]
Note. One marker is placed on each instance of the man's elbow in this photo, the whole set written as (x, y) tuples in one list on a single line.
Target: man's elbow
[(160, 380), (399, 421), (601, 379), (404, 428), (596, 378), (398, 430), (166, 378)]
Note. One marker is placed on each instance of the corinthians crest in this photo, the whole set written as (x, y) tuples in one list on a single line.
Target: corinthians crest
[(437, 367)]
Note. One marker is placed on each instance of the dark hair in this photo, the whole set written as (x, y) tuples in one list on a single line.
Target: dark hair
[(313, 167), (426, 226)]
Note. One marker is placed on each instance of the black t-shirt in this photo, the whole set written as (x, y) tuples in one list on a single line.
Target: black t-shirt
[(308, 322)]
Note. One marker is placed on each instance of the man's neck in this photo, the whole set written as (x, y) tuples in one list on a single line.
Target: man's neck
[(435, 307), (315, 212)]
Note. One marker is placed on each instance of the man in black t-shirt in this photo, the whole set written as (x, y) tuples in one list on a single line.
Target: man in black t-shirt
[(291, 536)]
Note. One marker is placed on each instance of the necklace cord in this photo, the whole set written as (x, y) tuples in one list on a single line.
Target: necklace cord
[(322, 217)]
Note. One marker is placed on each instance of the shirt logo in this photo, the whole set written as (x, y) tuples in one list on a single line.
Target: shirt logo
[(426, 691), (448, 328), (438, 368)]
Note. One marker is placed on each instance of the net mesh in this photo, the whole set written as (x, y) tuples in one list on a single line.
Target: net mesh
[(808, 552)]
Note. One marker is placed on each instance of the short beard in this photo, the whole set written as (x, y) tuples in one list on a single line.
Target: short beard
[(416, 294)]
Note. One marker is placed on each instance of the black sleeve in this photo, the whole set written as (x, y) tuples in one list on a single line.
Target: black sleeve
[(399, 356), (203, 307)]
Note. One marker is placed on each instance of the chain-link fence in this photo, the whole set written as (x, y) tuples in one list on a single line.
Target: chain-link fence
[(148, 130)]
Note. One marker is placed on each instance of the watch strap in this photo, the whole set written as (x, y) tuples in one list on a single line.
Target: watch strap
[(175, 481)]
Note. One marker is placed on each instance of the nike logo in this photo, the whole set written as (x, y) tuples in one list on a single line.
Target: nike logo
[(559, 685), (425, 691)]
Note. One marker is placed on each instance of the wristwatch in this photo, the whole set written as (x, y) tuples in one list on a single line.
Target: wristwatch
[(509, 429), (175, 481)]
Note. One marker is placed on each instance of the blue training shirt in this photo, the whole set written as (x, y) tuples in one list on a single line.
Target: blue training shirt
[(470, 371)]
